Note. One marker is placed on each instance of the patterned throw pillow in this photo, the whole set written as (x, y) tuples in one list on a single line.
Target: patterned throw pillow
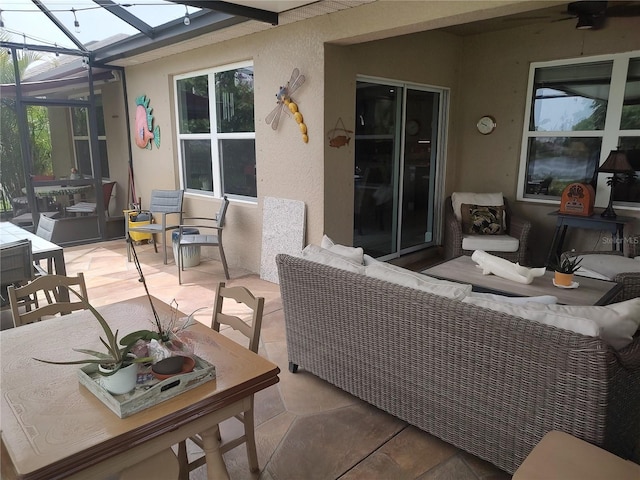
[(482, 219)]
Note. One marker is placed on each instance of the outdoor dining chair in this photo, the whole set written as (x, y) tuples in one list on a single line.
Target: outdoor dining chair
[(163, 203), (90, 207), (213, 239), (47, 290), (231, 317)]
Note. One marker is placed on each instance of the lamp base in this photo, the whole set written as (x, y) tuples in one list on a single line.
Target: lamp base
[(608, 213)]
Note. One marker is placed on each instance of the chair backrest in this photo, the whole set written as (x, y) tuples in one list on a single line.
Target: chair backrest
[(47, 288), (166, 201), (107, 188), (16, 262), (222, 212), (244, 296), (46, 227)]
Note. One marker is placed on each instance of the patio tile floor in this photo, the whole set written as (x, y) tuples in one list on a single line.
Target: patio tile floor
[(306, 429)]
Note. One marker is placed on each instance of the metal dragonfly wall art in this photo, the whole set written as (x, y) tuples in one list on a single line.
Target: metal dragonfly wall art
[(284, 100)]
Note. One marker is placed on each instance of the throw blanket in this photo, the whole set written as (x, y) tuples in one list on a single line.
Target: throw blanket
[(490, 264)]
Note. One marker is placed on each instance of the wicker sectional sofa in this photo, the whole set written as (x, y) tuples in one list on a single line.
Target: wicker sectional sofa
[(490, 383)]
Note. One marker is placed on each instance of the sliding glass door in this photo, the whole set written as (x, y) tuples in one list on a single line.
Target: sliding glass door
[(398, 127)]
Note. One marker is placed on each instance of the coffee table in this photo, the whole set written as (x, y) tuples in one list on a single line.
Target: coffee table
[(464, 270)]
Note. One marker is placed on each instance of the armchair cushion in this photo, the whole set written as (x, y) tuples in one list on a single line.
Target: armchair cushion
[(490, 243), (458, 198), (609, 265), (482, 219)]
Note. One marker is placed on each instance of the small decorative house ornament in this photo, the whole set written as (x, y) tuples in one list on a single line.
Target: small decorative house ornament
[(145, 132), (577, 199), (283, 99)]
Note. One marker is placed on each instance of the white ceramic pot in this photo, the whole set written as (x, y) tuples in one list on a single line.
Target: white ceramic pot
[(123, 381)]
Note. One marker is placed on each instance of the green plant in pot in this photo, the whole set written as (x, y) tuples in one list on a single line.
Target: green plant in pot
[(117, 362), (565, 267)]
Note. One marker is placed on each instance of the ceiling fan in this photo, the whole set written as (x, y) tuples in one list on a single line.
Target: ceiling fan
[(592, 15)]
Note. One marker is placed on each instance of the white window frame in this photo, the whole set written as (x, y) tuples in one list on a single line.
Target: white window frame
[(213, 135), (609, 134)]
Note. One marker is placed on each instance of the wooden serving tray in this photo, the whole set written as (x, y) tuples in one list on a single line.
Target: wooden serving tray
[(149, 390)]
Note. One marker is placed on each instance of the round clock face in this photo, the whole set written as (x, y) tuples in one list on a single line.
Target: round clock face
[(486, 125)]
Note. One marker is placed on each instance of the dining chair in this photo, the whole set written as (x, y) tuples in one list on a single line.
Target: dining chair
[(16, 266), (46, 229), (90, 207), (163, 203), (213, 239), (250, 330), (46, 289)]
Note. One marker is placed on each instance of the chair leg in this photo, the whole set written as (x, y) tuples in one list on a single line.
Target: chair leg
[(250, 434), (179, 263), (128, 249), (224, 261), (183, 460)]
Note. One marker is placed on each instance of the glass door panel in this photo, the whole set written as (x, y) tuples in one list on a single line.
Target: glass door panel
[(421, 133), (377, 165)]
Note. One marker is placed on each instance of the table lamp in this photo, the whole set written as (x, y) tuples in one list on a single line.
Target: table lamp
[(615, 163)]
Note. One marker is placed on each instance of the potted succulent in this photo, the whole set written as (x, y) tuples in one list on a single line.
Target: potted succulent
[(564, 269), (118, 365)]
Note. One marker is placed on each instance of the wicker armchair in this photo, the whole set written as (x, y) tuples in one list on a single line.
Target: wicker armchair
[(516, 227), (630, 280)]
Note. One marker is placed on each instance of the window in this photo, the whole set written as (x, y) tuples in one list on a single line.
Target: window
[(82, 142), (216, 131), (576, 114)]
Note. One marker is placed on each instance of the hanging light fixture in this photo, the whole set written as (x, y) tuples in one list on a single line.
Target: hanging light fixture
[(187, 20), (24, 43), (76, 23)]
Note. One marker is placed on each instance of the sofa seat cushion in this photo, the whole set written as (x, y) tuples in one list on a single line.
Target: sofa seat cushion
[(407, 278), (607, 266), (321, 255), (615, 324), (490, 243)]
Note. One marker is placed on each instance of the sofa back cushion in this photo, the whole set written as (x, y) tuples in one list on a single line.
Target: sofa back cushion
[(321, 255), (354, 253), (615, 324), (407, 278)]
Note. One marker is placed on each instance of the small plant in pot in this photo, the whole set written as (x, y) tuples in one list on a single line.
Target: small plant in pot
[(564, 268), (118, 365)]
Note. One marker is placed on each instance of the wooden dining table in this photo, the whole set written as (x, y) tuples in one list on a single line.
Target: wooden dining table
[(53, 427)]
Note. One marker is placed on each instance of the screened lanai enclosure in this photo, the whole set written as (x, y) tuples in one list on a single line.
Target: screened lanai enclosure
[(64, 135)]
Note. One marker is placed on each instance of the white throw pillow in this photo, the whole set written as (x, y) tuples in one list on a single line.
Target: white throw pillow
[(321, 255), (485, 199), (354, 253), (407, 278), (545, 299)]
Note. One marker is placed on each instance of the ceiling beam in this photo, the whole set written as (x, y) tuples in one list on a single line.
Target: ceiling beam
[(60, 25), (126, 16), (233, 9)]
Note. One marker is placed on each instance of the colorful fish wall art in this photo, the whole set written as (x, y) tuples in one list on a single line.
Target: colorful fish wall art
[(284, 101), (145, 131), (339, 136)]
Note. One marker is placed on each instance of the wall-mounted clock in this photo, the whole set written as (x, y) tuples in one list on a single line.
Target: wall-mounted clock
[(413, 127), (486, 124)]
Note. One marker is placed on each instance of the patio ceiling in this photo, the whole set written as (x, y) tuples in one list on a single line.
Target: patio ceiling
[(108, 30)]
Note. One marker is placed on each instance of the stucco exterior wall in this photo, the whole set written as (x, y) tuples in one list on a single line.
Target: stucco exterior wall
[(486, 74), (493, 80)]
